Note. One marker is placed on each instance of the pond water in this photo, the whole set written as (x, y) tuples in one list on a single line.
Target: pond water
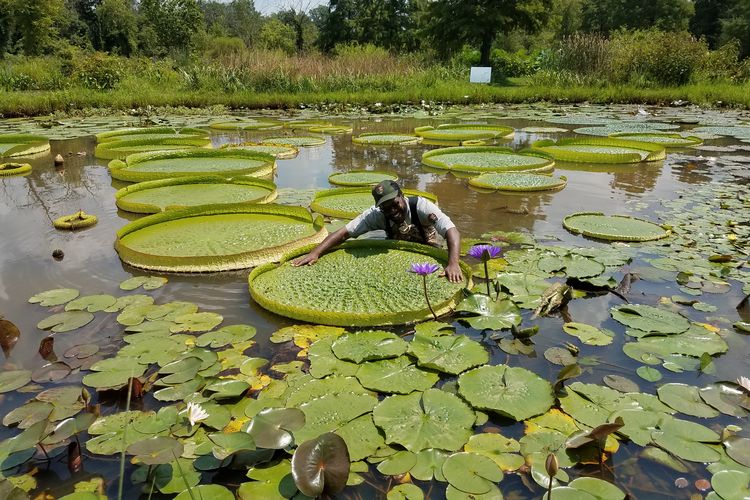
[(29, 204)]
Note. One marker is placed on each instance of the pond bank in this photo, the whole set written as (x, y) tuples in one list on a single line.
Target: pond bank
[(72, 101)]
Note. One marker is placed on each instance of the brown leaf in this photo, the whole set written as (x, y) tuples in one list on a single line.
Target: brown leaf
[(47, 349), (75, 461), (9, 334), (136, 391)]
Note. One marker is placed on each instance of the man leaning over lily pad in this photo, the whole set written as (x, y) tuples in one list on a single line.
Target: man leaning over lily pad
[(394, 214)]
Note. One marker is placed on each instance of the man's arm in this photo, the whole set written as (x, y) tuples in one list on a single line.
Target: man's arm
[(331, 241), (453, 269)]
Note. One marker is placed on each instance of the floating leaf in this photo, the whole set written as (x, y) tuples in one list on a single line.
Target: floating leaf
[(91, 303), (272, 428), (205, 491), (510, 391), (501, 450), (429, 465), (332, 411), (739, 449), (471, 472), (397, 464), (406, 491), (731, 484), (226, 335), (648, 373), (650, 319), (368, 346), (196, 322), (687, 440), (321, 465), (54, 297), (450, 354), (398, 375), (323, 361), (51, 372), (686, 399), (559, 356), (432, 419), (65, 321), (620, 383), (155, 450), (727, 398), (13, 379), (490, 314), (588, 334), (226, 444)]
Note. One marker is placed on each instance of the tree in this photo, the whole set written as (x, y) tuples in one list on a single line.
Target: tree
[(385, 23), (305, 30), (34, 22), (118, 26), (735, 25), (177, 24), (478, 22), (706, 21), (275, 35), (606, 16)]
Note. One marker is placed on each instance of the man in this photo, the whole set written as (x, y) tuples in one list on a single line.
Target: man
[(395, 214)]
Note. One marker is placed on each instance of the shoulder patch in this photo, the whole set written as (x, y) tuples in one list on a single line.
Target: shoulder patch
[(432, 218)]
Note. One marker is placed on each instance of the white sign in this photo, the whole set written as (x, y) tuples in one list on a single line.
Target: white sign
[(480, 74)]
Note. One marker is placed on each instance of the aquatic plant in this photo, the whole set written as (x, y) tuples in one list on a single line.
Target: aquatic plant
[(7, 169), (386, 139), (425, 269), (77, 220), (483, 159), (120, 149), (519, 182), (164, 194), (613, 227), (360, 177), (598, 150), (349, 202), (484, 253), (151, 134), (158, 165), (12, 145), (456, 134), (295, 141)]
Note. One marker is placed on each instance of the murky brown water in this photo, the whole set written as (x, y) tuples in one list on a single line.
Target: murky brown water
[(27, 238)]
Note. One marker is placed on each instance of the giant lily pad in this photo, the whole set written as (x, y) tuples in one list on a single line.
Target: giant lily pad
[(348, 203), (118, 150), (518, 182), (159, 195), (484, 159), (216, 238), (360, 177), (666, 139), (451, 354), (200, 162), (245, 124), (373, 286), (450, 134), (150, 134), (510, 391), (22, 145), (613, 227), (321, 465), (421, 420), (383, 139), (599, 150), (298, 141)]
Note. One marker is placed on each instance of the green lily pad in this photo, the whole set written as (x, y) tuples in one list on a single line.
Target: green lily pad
[(559, 356), (65, 321), (398, 375), (685, 399), (588, 334), (574, 266), (648, 373), (51, 372), (226, 335), (451, 354), (501, 450), (731, 484), (727, 398), (360, 177), (489, 314), (613, 227), (429, 465), (406, 491), (597, 488), (212, 491), (397, 464), (272, 428), (386, 139), (739, 449), (452, 493), (522, 182), (227, 389), (348, 203), (471, 472), (155, 450), (331, 412), (510, 391), (362, 437), (687, 440), (14, 379), (432, 419), (650, 319), (485, 160), (321, 465), (28, 414), (147, 282), (226, 444), (54, 297), (91, 303), (323, 361), (368, 346), (620, 383), (196, 322)]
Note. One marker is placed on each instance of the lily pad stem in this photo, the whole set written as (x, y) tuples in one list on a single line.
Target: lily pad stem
[(179, 468), (487, 277), (124, 432), (427, 297)]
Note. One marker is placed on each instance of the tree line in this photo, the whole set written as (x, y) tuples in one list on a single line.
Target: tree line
[(441, 28)]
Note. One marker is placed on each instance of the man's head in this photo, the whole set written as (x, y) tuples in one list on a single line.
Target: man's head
[(390, 200)]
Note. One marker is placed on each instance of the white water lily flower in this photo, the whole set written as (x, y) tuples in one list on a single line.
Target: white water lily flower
[(744, 382), (196, 413)]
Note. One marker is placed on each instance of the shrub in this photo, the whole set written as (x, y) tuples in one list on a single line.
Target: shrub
[(655, 57), (98, 71), (506, 64), (724, 64)]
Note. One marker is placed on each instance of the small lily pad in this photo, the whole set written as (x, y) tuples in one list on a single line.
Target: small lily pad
[(471, 472), (451, 354), (272, 428), (321, 465), (196, 322), (648, 373), (147, 282), (155, 450), (54, 297), (91, 303), (65, 321), (368, 346), (398, 375), (620, 383), (588, 334), (51, 372), (226, 335), (14, 379), (686, 399)]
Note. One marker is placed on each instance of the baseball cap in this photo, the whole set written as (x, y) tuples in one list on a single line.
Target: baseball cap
[(385, 191)]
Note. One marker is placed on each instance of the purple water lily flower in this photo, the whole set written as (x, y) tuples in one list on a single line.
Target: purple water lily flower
[(485, 252), (424, 268)]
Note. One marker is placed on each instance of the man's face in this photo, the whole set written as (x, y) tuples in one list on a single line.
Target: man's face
[(395, 209)]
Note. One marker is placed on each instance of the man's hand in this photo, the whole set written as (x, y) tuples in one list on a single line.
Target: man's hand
[(453, 273), (305, 260)]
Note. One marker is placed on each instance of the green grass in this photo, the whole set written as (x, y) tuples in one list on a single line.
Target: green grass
[(33, 103)]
